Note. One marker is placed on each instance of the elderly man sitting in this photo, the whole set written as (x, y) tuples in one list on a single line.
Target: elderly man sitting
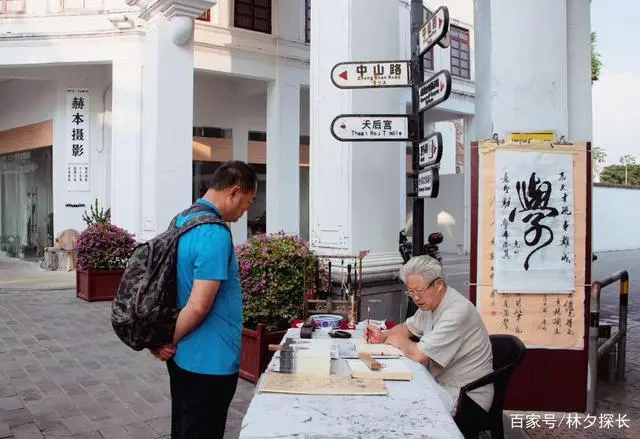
[(453, 342)]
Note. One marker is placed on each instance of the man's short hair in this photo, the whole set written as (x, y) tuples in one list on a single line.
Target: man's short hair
[(234, 173)]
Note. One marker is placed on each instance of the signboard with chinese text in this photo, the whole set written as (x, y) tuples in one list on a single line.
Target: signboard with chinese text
[(534, 222), (546, 136), (370, 127), (434, 90), (369, 74), (430, 150), (429, 183), (531, 236), (77, 138), (434, 30)]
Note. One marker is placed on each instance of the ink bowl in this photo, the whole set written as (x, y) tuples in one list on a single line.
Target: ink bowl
[(327, 321)]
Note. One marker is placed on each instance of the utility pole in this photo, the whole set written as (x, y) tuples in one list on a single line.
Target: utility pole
[(417, 75)]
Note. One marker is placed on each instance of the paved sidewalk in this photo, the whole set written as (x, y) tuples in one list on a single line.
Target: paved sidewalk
[(63, 373), (18, 274)]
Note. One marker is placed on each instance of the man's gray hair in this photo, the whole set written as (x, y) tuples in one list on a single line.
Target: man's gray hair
[(424, 266)]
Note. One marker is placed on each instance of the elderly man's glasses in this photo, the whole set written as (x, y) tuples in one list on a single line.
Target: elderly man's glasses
[(421, 291)]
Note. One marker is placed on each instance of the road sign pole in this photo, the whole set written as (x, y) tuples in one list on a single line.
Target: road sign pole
[(417, 75)]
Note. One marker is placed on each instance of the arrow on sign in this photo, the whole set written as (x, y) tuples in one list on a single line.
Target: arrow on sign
[(434, 90), (371, 74), (430, 150), (370, 127), (434, 30)]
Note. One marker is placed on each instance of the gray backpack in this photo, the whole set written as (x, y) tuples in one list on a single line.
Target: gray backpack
[(145, 310)]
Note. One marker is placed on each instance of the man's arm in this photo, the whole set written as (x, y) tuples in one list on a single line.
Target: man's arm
[(201, 300), (401, 331), (409, 348)]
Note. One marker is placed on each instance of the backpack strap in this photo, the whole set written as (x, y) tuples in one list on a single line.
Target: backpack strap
[(203, 219)]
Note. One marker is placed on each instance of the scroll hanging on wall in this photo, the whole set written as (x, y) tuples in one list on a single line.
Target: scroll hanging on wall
[(532, 202), (534, 233)]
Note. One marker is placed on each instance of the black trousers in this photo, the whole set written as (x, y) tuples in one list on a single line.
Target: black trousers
[(199, 403)]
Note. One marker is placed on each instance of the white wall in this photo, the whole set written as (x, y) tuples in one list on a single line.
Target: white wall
[(220, 102), (26, 102), (615, 218)]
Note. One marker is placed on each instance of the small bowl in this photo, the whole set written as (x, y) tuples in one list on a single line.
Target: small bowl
[(328, 321)]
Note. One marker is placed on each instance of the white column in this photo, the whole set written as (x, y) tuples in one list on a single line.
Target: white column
[(536, 98), (240, 152), (283, 154), (579, 70), (167, 121), (355, 187), (126, 169)]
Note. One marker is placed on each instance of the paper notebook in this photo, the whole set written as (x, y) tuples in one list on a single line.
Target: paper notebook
[(393, 369)]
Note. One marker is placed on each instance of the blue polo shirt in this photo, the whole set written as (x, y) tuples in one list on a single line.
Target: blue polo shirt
[(206, 252)]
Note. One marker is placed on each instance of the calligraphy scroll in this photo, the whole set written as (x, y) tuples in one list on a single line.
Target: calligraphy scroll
[(534, 217), (77, 134), (544, 312)]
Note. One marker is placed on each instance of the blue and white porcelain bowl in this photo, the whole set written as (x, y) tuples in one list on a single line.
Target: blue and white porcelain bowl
[(327, 321)]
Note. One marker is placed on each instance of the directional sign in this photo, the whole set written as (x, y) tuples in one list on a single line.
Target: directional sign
[(369, 74), (430, 150), (428, 183), (370, 127), (434, 30), (434, 90)]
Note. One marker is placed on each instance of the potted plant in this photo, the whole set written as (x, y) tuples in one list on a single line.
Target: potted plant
[(103, 250), (276, 271)]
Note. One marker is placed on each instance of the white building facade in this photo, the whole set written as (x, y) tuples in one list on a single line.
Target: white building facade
[(171, 88)]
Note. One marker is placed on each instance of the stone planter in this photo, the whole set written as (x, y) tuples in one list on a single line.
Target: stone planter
[(95, 285), (255, 355)]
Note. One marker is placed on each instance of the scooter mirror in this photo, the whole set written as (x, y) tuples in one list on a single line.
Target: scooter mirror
[(435, 238)]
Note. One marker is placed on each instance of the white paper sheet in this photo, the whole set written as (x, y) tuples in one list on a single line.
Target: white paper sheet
[(534, 228)]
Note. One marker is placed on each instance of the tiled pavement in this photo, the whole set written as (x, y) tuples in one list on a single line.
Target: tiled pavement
[(63, 373)]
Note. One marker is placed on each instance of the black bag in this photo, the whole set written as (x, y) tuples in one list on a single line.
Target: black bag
[(145, 310)]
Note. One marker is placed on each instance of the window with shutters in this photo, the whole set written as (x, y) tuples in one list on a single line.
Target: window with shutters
[(253, 15), (460, 52), (307, 21)]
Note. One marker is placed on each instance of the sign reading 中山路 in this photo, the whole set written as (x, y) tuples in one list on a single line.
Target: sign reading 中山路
[(370, 127), (430, 150), (434, 30), (369, 74), (428, 182), (434, 90), (78, 125)]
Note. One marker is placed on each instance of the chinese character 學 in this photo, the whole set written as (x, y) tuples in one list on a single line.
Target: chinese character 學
[(534, 201)]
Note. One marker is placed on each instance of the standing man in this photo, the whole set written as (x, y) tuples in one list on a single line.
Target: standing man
[(204, 359)]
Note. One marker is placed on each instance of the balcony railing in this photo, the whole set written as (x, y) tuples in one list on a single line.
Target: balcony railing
[(12, 6)]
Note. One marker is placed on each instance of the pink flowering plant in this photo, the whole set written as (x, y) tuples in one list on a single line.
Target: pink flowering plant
[(276, 271), (104, 246)]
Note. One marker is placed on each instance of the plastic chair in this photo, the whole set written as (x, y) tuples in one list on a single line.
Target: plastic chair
[(508, 351)]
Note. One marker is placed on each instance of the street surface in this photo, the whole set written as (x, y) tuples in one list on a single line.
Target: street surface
[(63, 373)]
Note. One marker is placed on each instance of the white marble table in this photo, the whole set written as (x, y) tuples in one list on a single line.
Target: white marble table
[(412, 409)]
